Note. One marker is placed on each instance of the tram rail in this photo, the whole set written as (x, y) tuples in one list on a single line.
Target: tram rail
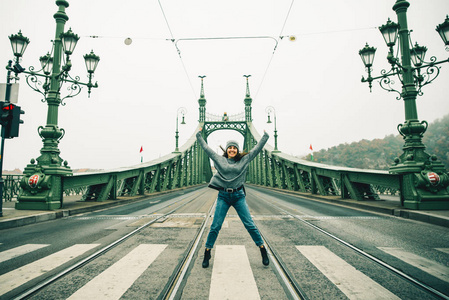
[(372, 258), (173, 289), (103, 250)]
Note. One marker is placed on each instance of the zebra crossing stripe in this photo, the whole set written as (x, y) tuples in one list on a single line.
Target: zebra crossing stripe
[(17, 277), (445, 250), (353, 283), (116, 280), (431, 267), (21, 250), (232, 277)]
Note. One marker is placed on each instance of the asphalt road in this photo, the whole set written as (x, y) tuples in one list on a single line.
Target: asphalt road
[(141, 266)]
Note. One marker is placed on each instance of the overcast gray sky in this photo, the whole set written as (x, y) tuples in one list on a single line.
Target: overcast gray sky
[(313, 83)]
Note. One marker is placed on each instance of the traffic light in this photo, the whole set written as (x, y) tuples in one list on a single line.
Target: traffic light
[(15, 121), (10, 119), (5, 113)]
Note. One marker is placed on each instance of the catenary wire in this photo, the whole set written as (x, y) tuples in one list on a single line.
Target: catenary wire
[(272, 55), (165, 18), (173, 40), (280, 36)]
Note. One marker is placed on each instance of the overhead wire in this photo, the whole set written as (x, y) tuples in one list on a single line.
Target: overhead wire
[(165, 18), (286, 18), (173, 41), (337, 31), (182, 62), (277, 39), (274, 50), (121, 37)]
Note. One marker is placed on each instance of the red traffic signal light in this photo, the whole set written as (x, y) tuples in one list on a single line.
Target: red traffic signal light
[(6, 112), (10, 119), (8, 106)]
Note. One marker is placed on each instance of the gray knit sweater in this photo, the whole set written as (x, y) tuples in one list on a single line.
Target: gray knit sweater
[(230, 173)]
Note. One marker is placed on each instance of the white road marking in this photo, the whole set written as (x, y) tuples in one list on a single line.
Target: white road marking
[(17, 277), (116, 280), (353, 283), (445, 250), (232, 277), (21, 250), (429, 266)]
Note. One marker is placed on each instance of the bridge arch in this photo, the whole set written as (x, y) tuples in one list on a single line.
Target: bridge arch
[(210, 127)]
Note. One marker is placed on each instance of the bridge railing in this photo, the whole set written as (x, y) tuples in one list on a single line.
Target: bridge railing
[(280, 170), (11, 187), (175, 170), (190, 166)]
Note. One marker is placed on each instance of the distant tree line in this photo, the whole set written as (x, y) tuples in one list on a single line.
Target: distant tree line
[(379, 154)]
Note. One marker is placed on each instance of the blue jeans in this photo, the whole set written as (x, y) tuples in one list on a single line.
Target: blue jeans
[(224, 201)]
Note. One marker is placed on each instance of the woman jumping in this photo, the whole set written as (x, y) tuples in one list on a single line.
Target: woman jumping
[(231, 174)]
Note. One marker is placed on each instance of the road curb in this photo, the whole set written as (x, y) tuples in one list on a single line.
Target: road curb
[(424, 217), (22, 221)]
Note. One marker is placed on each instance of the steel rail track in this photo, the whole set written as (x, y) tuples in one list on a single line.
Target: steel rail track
[(291, 287), (174, 286), (392, 269), (102, 251)]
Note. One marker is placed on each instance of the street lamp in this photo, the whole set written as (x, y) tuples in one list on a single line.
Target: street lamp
[(182, 111), (424, 180), (42, 181), (443, 30), (268, 110)]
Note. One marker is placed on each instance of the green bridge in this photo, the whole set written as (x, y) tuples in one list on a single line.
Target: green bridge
[(418, 178), (190, 166)]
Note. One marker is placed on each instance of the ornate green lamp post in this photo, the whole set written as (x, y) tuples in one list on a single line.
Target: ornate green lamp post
[(424, 178), (268, 110), (42, 181), (443, 30), (182, 111)]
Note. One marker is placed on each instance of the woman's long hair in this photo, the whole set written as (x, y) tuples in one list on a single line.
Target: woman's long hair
[(237, 157)]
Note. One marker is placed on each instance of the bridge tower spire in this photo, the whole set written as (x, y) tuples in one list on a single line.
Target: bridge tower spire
[(248, 100), (202, 102)]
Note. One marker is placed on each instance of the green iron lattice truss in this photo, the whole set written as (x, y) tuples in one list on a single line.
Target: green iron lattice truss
[(190, 166), (273, 169)]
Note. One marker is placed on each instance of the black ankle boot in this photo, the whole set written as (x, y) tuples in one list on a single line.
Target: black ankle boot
[(265, 260), (206, 258)]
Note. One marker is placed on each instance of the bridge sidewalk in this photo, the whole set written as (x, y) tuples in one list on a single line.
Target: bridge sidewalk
[(73, 205)]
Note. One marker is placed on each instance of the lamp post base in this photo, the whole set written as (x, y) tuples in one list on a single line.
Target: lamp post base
[(42, 187), (38, 204), (419, 193), (424, 180)]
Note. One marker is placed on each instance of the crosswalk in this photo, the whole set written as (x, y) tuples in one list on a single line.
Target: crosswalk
[(231, 278), (433, 268), (353, 283), (115, 281), (19, 251), (17, 277)]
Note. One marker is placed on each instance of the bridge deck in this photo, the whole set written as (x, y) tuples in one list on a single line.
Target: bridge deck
[(164, 234), (73, 206)]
